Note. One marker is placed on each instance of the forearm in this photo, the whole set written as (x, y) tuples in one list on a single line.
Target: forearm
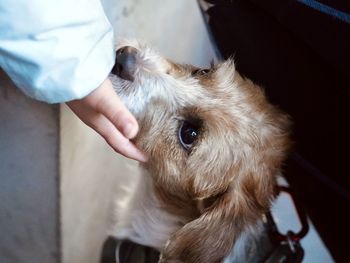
[(55, 51)]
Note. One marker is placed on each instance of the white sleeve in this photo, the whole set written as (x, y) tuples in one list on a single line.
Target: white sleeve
[(55, 51)]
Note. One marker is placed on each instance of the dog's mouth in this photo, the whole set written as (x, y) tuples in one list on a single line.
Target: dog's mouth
[(125, 63)]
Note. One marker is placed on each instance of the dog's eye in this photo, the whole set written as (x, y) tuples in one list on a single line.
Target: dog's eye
[(200, 72), (188, 134)]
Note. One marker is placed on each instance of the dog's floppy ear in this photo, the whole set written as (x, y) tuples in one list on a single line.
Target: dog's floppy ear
[(210, 238)]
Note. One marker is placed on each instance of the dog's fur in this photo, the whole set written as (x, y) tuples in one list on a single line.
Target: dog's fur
[(194, 204)]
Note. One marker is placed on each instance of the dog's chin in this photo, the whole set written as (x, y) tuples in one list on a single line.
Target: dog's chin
[(121, 86), (130, 94)]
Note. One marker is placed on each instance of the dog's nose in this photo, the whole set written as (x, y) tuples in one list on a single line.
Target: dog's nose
[(125, 63)]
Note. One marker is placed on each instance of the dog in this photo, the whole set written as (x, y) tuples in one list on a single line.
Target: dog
[(215, 146)]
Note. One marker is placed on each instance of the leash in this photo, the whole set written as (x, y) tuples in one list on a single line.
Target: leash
[(287, 247)]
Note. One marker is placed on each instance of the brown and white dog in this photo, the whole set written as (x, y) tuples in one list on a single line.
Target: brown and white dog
[(215, 146)]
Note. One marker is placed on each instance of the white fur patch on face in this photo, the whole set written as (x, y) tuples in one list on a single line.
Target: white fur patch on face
[(152, 81)]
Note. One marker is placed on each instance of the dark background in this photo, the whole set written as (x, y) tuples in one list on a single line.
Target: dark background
[(300, 54)]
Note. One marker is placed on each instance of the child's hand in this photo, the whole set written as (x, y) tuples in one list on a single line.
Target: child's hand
[(103, 111)]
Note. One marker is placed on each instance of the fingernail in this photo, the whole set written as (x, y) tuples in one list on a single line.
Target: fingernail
[(130, 130), (136, 153), (142, 157)]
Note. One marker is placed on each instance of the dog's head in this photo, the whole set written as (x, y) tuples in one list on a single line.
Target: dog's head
[(212, 139)]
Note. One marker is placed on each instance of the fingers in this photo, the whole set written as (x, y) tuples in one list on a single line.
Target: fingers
[(108, 104), (107, 130), (116, 140), (103, 111)]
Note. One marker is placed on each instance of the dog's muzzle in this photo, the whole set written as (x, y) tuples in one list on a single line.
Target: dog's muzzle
[(125, 63)]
